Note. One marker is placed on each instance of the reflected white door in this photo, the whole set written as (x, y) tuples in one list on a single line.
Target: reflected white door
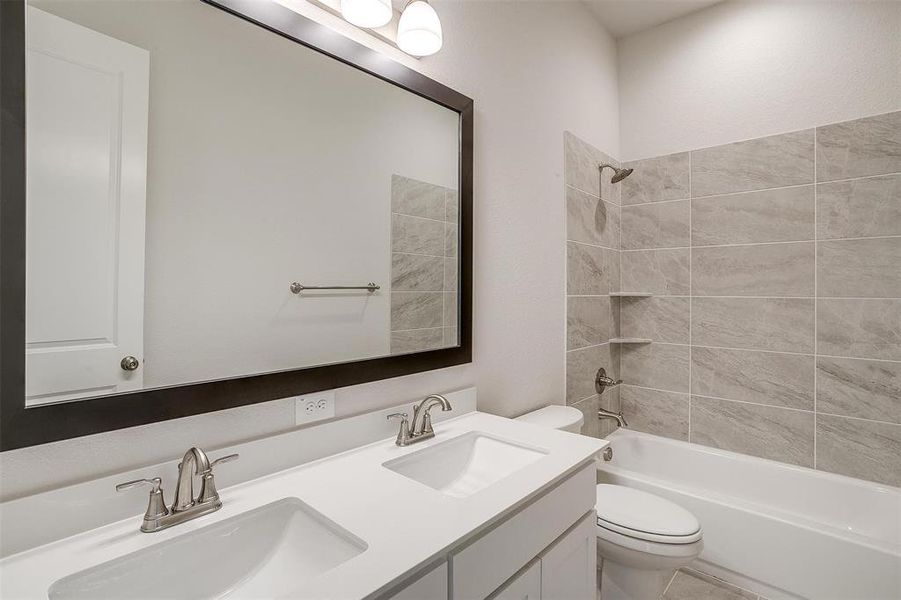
[(86, 124)]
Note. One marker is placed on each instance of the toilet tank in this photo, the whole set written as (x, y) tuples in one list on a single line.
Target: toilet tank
[(564, 418)]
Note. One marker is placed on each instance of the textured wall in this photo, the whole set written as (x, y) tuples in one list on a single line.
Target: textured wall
[(775, 265), (741, 70)]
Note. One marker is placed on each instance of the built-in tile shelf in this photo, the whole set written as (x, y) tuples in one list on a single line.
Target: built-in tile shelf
[(630, 340), (631, 294)]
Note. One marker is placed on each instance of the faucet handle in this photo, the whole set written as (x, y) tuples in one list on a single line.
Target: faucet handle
[(156, 505), (403, 436), (208, 491), (156, 483), (224, 459)]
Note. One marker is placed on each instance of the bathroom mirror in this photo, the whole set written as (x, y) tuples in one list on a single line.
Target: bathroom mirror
[(210, 204)]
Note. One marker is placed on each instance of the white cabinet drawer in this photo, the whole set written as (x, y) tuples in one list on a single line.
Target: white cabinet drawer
[(480, 568), (525, 586)]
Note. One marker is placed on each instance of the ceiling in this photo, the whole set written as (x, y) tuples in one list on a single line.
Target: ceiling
[(625, 17)]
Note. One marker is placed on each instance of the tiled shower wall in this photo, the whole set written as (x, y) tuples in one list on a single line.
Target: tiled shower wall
[(775, 265), (424, 265), (592, 273)]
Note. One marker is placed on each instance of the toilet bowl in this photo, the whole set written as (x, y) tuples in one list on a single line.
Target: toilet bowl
[(642, 538)]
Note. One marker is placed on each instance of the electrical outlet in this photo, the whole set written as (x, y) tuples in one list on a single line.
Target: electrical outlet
[(314, 407)]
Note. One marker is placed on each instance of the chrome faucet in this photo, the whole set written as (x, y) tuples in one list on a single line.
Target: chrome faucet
[(618, 416), (420, 428), (185, 506)]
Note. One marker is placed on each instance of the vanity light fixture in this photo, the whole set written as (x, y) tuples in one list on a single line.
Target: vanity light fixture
[(419, 29), (367, 13)]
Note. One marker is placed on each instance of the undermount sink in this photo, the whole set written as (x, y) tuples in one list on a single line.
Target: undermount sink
[(466, 464), (267, 552)]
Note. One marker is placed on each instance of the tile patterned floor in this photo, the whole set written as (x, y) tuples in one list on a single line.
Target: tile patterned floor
[(687, 584)]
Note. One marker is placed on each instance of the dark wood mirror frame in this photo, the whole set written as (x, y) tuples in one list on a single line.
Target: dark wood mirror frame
[(21, 427)]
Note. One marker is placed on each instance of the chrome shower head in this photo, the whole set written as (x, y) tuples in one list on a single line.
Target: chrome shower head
[(618, 174)]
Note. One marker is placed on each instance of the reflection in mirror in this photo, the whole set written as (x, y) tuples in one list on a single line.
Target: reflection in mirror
[(185, 167)]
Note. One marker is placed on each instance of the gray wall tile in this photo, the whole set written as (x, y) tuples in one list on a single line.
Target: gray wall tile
[(659, 225), (760, 270), (591, 220), (450, 337), (589, 269), (750, 375), (780, 324), (580, 165), (859, 208), (451, 272), (863, 449), (417, 236), (656, 179), (661, 318), (416, 310), (868, 146), (452, 206), (859, 328), (416, 340), (581, 367), (775, 161), (867, 389), (779, 215), (451, 233), (417, 198), (411, 272), (859, 268), (588, 321), (661, 366), (766, 431), (654, 411), (656, 271), (450, 309)]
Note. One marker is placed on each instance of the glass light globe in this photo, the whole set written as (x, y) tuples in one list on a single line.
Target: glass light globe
[(419, 30), (367, 13)]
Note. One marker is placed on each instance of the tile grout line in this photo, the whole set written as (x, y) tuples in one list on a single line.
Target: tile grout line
[(769, 243), (816, 275), (690, 290)]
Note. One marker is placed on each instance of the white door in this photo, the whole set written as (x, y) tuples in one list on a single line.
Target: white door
[(569, 566), (86, 124), (525, 586)]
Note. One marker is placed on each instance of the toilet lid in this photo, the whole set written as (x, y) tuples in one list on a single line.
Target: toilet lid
[(644, 516)]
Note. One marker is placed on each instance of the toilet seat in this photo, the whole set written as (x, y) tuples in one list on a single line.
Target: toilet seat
[(644, 517)]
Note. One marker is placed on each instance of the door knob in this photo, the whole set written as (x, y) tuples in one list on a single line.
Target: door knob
[(129, 363)]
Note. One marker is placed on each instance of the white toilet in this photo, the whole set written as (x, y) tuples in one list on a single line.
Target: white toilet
[(642, 538)]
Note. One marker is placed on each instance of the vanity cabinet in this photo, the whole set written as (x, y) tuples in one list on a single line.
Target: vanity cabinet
[(546, 549), (525, 586), (431, 586)]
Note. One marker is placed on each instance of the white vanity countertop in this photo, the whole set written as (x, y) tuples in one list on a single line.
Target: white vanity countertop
[(405, 524)]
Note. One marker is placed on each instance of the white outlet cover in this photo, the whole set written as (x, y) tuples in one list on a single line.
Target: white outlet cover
[(314, 407)]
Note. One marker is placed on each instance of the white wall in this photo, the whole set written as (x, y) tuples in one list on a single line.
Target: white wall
[(741, 70), (534, 70)]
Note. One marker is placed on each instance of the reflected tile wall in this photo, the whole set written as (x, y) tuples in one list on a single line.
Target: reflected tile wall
[(424, 265), (593, 222), (785, 297)]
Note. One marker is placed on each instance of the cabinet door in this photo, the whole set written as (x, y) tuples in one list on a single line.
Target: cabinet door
[(525, 586), (431, 586), (569, 565)]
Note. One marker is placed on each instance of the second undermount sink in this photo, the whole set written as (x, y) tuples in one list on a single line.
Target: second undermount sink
[(465, 464), (268, 552)]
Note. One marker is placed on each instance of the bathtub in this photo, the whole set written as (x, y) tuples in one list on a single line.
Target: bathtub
[(775, 529)]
